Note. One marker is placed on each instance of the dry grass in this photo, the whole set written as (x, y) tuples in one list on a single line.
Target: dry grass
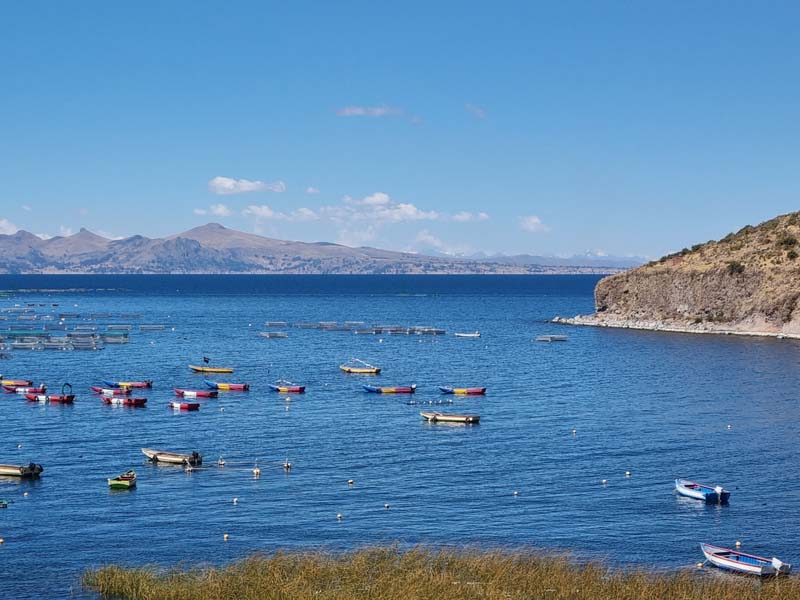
[(388, 573)]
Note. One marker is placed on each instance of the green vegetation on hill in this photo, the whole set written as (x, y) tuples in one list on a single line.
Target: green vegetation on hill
[(390, 574)]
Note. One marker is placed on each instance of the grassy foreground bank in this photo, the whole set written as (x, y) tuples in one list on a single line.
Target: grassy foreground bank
[(388, 573)]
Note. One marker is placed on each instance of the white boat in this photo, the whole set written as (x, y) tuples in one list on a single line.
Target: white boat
[(733, 560), (468, 335), (699, 491), (174, 458), (437, 417), (31, 470), (551, 338)]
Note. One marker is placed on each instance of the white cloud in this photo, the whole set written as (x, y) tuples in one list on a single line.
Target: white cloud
[(260, 212), (312, 190), (7, 227), (26, 208), (65, 231), (464, 216), (533, 224), (227, 185), (108, 235), (304, 214), (200, 211), (357, 237), (220, 210), (426, 241), (43, 236), (475, 111), (369, 111)]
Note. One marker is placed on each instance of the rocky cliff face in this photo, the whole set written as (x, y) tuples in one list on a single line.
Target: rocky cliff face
[(747, 282)]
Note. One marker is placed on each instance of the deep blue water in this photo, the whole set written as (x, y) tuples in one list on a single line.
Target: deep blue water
[(656, 404)]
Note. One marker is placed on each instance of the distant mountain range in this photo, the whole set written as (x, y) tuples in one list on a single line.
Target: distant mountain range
[(213, 248)]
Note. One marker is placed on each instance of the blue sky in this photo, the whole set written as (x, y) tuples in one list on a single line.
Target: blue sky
[(515, 127)]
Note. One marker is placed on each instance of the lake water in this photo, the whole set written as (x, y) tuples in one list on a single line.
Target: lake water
[(718, 409)]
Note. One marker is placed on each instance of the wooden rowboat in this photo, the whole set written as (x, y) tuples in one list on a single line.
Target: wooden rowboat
[(360, 367), (228, 387), (698, 491), (437, 417), (111, 391), (123, 401), (125, 481), (196, 393), (147, 383), (287, 387), (477, 391), (403, 389), (173, 458), (31, 470), (198, 369), (176, 405), (57, 398), (733, 560)]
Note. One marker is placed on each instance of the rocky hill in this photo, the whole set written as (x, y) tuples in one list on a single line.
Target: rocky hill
[(213, 248), (748, 282)]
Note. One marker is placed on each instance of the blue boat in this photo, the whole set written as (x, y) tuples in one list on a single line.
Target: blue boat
[(733, 560), (698, 491), (402, 389)]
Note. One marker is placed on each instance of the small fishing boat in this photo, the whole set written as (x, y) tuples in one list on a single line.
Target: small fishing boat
[(22, 390), (196, 393), (437, 417), (733, 560), (124, 401), (286, 387), (699, 491), (401, 389), (468, 335), (111, 391), (273, 334), (31, 470), (360, 367), (147, 383), (178, 405), (198, 369), (125, 481), (57, 398), (174, 458), (476, 391), (228, 387), (551, 338), (16, 382)]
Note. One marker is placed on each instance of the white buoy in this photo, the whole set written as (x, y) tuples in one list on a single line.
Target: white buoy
[(516, 493), (604, 482), (2, 541), (627, 473), (25, 494), (729, 426), (386, 505), (221, 462), (19, 446), (574, 431), (225, 536), (738, 544), (287, 466), (221, 409), (256, 471), (236, 500), (699, 565), (339, 517)]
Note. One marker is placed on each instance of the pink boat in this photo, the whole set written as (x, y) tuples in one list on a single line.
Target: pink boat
[(111, 391), (122, 401), (184, 405), (196, 393)]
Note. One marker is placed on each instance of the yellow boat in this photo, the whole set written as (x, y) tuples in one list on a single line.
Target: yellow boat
[(197, 369), (359, 366)]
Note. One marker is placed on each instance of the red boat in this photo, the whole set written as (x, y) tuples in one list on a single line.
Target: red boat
[(147, 383), (22, 390), (111, 391), (16, 382), (196, 393), (184, 405), (138, 402), (60, 398)]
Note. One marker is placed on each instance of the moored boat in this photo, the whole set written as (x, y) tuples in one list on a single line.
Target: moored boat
[(147, 383), (228, 387), (111, 391), (198, 369), (437, 417), (287, 387), (699, 491), (124, 401), (174, 458), (733, 560), (551, 338), (474, 334), (180, 405), (16, 382), (22, 390), (30, 470), (465, 391), (360, 367), (124, 481), (57, 398), (196, 393), (401, 389)]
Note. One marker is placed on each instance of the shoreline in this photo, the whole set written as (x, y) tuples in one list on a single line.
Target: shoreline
[(654, 325)]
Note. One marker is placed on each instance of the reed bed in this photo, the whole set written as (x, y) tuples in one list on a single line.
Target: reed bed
[(421, 573)]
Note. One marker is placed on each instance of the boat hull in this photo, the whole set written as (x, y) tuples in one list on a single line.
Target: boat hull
[(739, 562), (125, 481), (24, 471), (405, 389), (228, 387), (360, 370), (196, 393), (699, 491), (287, 389), (436, 417), (111, 391), (21, 390), (57, 398), (121, 401), (173, 458), (128, 384), (184, 405), (198, 369), (463, 391)]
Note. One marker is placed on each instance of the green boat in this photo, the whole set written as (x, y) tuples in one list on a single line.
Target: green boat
[(125, 481)]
